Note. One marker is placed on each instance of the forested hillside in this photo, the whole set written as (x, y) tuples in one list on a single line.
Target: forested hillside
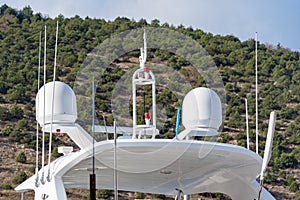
[(279, 88)]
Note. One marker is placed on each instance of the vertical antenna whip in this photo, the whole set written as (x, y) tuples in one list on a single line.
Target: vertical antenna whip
[(52, 104), (44, 110), (143, 56), (256, 96), (104, 121), (115, 163), (93, 176), (145, 46), (177, 122), (93, 123), (247, 123), (37, 110)]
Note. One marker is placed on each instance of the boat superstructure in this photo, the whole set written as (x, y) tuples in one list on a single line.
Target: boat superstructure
[(178, 166)]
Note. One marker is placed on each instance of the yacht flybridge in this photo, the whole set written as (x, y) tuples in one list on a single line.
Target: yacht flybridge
[(138, 161)]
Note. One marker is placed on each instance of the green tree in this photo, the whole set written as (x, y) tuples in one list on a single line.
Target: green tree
[(16, 112), (21, 158), (294, 187), (21, 177), (4, 113)]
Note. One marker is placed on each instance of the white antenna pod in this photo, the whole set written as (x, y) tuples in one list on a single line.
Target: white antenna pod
[(269, 143), (268, 149)]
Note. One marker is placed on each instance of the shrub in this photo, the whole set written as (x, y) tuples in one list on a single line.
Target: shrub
[(240, 136), (289, 179), (282, 174), (7, 130), (294, 187), (104, 194), (297, 195), (55, 153), (140, 195), (21, 177), (287, 161), (32, 169), (7, 187), (4, 113), (16, 112), (21, 158)]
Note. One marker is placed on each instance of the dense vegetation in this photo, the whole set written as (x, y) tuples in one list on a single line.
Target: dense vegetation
[(279, 77)]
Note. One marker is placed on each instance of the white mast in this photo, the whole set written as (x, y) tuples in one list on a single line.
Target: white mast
[(144, 76), (52, 103), (256, 96)]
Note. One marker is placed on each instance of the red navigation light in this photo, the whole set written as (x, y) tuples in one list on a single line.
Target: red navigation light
[(147, 116), (146, 69)]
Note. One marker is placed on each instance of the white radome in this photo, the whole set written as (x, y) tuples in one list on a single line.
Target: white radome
[(64, 111), (202, 112)]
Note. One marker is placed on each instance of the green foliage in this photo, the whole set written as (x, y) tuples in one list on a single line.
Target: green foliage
[(16, 112), (224, 138), (4, 113), (23, 125), (282, 174), (55, 153), (287, 161), (290, 179), (240, 136), (7, 130), (21, 177), (294, 186), (6, 187), (297, 195), (269, 177), (32, 169), (86, 197), (140, 195), (21, 158), (104, 194)]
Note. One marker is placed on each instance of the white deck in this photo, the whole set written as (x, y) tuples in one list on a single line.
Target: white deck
[(161, 166)]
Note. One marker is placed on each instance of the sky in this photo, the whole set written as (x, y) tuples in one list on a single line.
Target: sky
[(276, 21)]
